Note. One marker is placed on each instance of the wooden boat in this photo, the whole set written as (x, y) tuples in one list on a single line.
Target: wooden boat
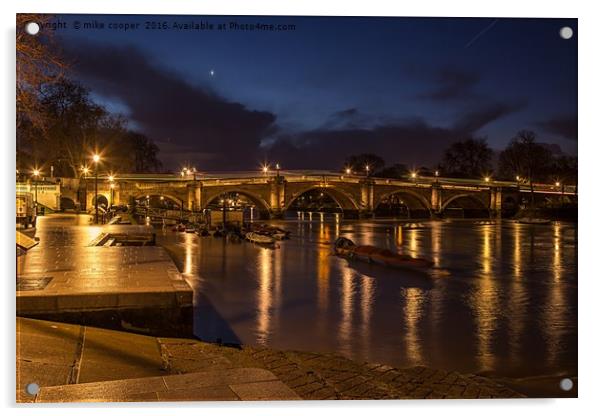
[(280, 235), (536, 221), (259, 239), (344, 247)]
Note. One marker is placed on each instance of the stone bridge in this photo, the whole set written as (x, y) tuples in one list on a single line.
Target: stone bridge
[(274, 193)]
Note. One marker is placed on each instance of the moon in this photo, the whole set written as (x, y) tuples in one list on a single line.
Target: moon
[(212, 72), (566, 32)]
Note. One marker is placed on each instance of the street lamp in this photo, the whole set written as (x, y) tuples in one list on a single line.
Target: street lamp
[(265, 169), (96, 159), (112, 189), (36, 175), (348, 171), (85, 170), (112, 186), (487, 179), (367, 170)]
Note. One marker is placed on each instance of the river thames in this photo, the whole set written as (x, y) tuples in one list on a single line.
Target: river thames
[(501, 300)]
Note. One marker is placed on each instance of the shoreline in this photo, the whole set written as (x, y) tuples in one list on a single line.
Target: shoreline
[(105, 356)]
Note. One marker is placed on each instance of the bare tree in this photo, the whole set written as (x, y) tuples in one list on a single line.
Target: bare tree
[(467, 158), (526, 159), (38, 64)]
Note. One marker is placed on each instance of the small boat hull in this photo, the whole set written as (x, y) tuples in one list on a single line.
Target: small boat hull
[(259, 238), (371, 254)]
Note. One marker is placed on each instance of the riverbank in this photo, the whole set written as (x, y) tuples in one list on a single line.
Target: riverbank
[(82, 363), (71, 276)]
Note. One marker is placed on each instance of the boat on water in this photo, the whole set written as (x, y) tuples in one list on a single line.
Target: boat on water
[(259, 238), (280, 236), (537, 221), (344, 247)]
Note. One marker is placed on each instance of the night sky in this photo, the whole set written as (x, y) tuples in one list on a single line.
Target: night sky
[(403, 88)]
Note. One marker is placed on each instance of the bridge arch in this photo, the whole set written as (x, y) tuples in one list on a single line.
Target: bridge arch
[(261, 204), (178, 201), (345, 201), (417, 204), (467, 202), (67, 203)]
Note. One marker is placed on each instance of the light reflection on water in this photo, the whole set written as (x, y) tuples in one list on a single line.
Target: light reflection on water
[(502, 297)]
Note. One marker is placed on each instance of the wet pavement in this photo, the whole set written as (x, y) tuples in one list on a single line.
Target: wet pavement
[(63, 274)]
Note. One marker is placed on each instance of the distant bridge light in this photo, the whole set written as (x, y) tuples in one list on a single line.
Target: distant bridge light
[(487, 178), (557, 184), (348, 171), (436, 173), (414, 175)]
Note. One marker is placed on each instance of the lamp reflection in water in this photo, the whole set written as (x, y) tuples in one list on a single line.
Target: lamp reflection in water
[(347, 297), (368, 290), (399, 235), (323, 272), (518, 299), (264, 294), (485, 302), (414, 300), (436, 243), (188, 260), (556, 308)]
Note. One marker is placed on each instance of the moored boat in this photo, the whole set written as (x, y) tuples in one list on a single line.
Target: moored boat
[(344, 247), (259, 238)]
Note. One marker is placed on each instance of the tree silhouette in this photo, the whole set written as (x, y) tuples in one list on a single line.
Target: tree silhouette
[(470, 158), (526, 159)]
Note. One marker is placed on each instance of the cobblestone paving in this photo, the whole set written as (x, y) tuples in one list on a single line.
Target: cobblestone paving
[(316, 376)]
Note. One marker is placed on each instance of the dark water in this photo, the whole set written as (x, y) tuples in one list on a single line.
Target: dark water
[(502, 299)]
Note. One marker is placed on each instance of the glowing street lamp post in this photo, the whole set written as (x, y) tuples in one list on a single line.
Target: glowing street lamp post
[(36, 174), (96, 159), (112, 186)]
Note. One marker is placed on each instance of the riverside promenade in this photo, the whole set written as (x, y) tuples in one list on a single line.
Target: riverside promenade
[(66, 277), (74, 363), (105, 323)]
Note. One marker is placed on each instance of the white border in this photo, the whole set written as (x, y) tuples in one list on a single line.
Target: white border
[(590, 70)]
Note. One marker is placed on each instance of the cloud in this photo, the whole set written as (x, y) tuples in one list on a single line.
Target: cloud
[(169, 109), (193, 124), (452, 84), (411, 141), (564, 126), (485, 114)]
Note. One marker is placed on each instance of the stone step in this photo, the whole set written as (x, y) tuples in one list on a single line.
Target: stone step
[(215, 385)]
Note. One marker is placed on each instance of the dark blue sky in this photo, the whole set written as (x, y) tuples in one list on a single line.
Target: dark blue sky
[(404, 88)]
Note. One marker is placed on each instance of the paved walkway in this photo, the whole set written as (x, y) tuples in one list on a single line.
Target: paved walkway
[(216, 385), (62, 274), (94, 364)]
